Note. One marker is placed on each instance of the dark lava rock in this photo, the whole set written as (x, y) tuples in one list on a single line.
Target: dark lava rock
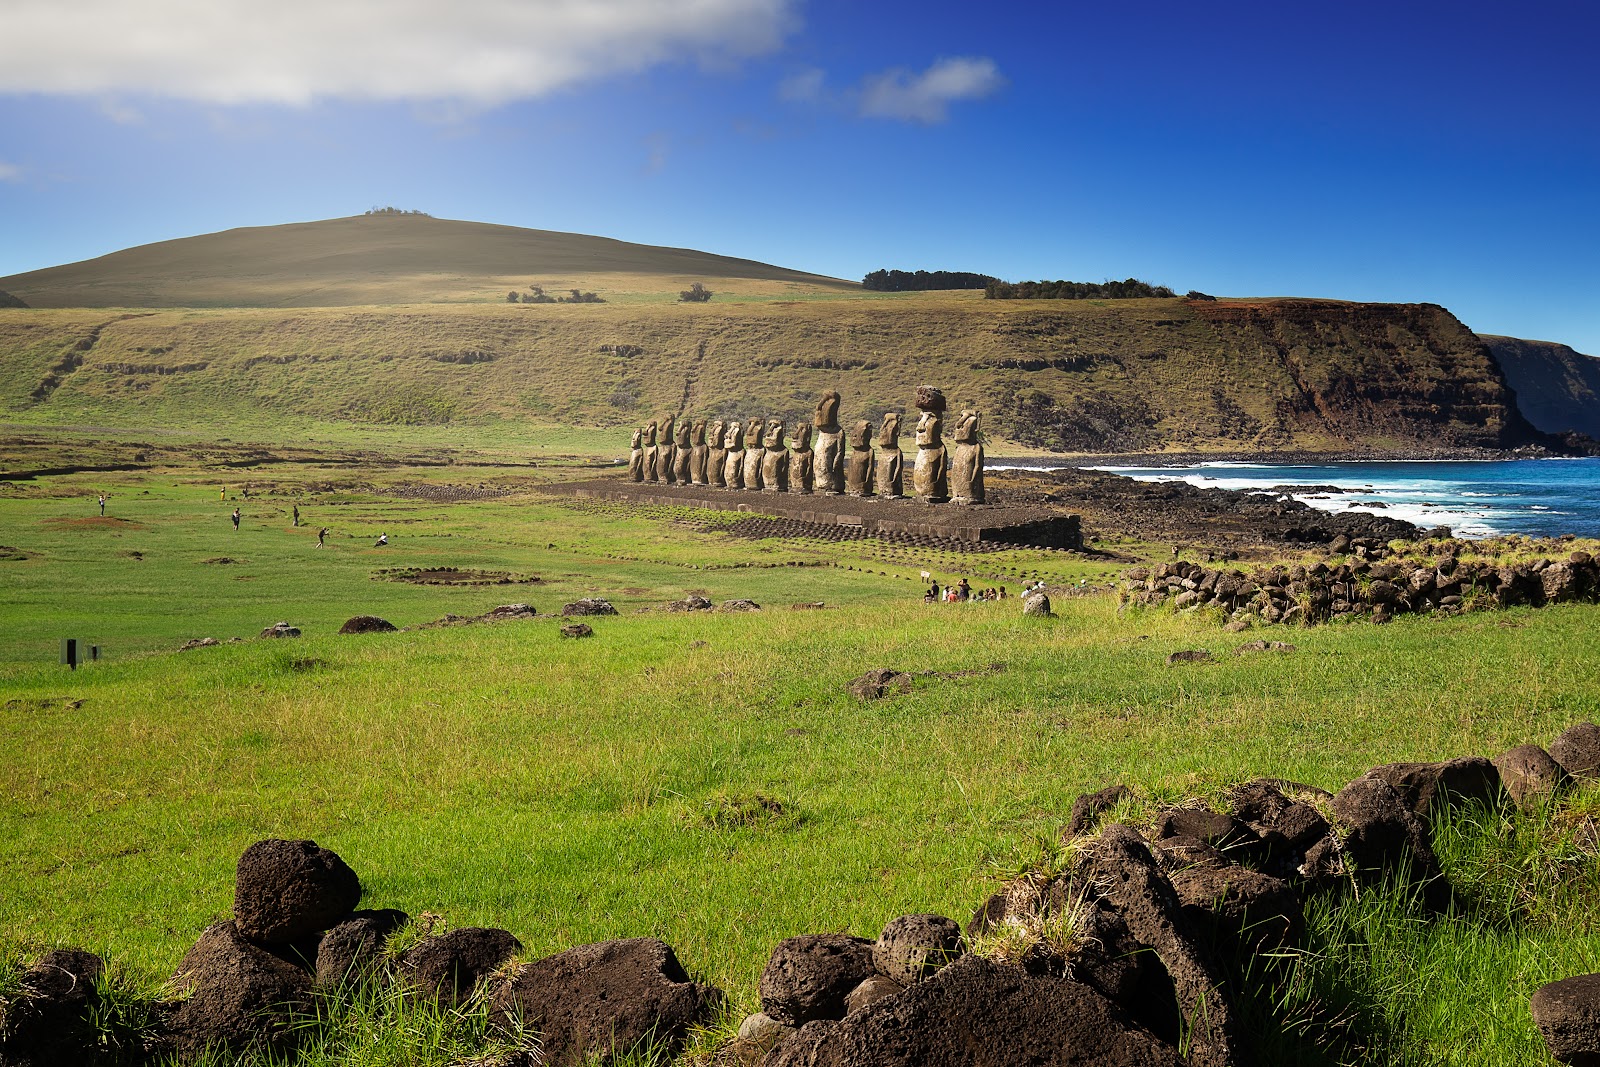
[(447, 968), (1385, 835), (1567, 1014), (510, 611), (913, 947), (739, 605), (198, 642), (367, 624), (589, 606), (1221, 831), (1088, 808), (876, 684), (285, 890), (1578, 750), (1189, 655), (1246, 906), (48, 1024), (978, 1012), (808, 977), (1130, 881), (605, 999), (281, 629), (690, 603), (1429, 788), (351, 954), (241, 994), (577, 629), (1529, 774)]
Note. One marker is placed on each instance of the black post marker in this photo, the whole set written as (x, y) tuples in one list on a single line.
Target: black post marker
[(69, 652)]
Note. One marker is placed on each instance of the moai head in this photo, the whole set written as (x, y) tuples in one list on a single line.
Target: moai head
[(735, 437), (774, 438), (861, 436), (683, 434), (967, 428), (889, 433), (828, 413), (638, 438), (714, 433), (802, 436), (664, 429), (699, 433), (650, 433), (930, 430), (930, 398)]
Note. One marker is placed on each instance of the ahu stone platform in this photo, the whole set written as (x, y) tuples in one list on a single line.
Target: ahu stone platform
[(986, 523)]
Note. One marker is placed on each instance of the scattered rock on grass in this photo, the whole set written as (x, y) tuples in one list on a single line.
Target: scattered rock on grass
[(808, 977), (1578, 750), (1428, 788), (1383, 834), (367, 624), (691, 602), (241, 995), (739, 605), (351, 954), (1036, 606), (1088, 808), (1264, 646), (1567, 1014), (48, 1022), (1529, 774), (1189, 655), (280, 629), (604, 999), (198, 642), (589, 606), (448, 967), (577, 629), (914, 947), (287, 890), (876, 684)]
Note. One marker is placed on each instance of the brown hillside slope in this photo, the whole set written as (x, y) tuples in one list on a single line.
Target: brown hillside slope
[(1079, 376), (1558, 389), (381, 259)]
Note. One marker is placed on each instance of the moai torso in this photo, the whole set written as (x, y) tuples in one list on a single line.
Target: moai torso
[(680, 466), (800, 459), (666, 451), (966, 462), (636, 457), (651, 472), (698, 453), (753, 452), (716, 454), (775, 460), (733, 466), (827, 462), (933, 484), (858, 469), (891, 463)]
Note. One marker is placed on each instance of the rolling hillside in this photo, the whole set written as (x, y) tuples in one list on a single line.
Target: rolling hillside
[(1076, 376), (389, 259)]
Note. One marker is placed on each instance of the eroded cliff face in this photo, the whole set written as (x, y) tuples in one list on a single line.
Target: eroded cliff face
[(1558, 389)]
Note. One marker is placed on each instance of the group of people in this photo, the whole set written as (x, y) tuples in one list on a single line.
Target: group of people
[(961, 593)]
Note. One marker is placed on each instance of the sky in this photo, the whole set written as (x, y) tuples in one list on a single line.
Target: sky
[(1403, 151)]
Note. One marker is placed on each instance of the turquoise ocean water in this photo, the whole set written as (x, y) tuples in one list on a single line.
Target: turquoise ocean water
[(1538, 497)]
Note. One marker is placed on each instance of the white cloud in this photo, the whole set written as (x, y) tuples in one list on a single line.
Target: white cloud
[(10, 172), (298, 51), (926, 97)]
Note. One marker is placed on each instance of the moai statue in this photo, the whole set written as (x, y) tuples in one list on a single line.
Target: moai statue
[(716, 454), (858, 470), (930, 476), (666, 451), (753, 452), (733, 466), (636, 457), (891, 462), (680, 464), (775, 463), (800, 460), (698, 453), (652, 473), (966, 462), (828, 453)]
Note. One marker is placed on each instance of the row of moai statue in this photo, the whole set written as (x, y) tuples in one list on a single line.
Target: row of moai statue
[(753, 455)]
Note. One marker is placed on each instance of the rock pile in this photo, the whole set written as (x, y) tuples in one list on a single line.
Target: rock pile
[(1375, 588)]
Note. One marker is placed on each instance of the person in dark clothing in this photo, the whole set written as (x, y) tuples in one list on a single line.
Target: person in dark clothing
[(235, 520), (322, 535), (964, 591), (297, 514), (102, 503)]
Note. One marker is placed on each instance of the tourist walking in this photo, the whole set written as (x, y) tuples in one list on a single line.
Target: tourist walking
[(102, 503), (235, 520), (321, 536), (297, 514)]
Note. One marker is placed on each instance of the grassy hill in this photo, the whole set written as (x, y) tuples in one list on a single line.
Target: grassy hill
[(389, 259), (1086, 376)]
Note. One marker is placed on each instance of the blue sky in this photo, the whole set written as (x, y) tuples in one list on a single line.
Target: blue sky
[(1435, 152)]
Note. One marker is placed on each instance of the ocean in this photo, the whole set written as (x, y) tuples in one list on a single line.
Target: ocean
[(1475, 498)]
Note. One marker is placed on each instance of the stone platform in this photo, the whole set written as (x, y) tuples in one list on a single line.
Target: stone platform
[(994, 523)]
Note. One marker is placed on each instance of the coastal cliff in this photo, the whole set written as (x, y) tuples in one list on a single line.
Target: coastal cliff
[(1558, 389)]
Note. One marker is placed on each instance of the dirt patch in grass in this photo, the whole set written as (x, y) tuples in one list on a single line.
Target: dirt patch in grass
[(7, 553), (103, 521), (224, 560), (451, 576), (44, 704)]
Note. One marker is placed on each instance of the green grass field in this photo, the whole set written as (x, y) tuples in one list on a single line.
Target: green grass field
[(573, 791)]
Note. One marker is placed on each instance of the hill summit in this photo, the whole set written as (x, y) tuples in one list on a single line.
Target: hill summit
[(386, 259)]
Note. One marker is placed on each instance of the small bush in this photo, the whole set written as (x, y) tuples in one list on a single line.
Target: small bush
[(695, 294)]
